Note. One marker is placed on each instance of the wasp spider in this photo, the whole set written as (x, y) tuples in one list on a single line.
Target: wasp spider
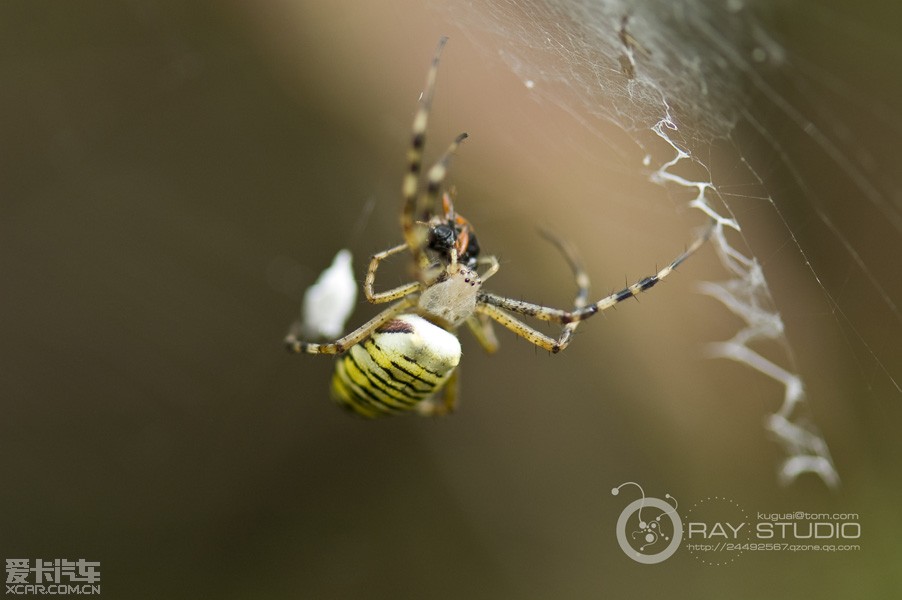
[(405, 358)]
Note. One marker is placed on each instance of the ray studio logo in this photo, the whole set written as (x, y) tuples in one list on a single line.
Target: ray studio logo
[(649, 530), (717, 530)]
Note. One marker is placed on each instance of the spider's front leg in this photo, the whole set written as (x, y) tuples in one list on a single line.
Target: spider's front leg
[(389, 295), (414, 236), (294, 344), (493, 267)]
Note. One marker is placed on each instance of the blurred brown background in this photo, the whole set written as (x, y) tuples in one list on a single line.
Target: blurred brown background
[(173, 176)]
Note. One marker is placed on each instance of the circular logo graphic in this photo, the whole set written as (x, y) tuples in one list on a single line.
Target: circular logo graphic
[(717, 530), (649, 530)]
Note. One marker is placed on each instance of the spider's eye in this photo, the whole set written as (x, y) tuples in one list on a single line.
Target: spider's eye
[(442, 238)]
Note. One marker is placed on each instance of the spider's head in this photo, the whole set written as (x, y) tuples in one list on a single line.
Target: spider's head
[(453, 232)]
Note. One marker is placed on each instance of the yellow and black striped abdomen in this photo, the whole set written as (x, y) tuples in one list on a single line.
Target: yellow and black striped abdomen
[(404, 363)]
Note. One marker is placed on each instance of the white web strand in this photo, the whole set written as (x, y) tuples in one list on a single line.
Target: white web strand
[(684, 71)]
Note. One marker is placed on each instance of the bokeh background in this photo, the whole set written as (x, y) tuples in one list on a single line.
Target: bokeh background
[(173, 175)]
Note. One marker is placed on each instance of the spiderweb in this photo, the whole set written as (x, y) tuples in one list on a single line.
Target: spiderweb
[(722, 109)]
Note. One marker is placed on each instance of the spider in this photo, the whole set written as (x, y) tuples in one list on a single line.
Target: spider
[(405, 358)]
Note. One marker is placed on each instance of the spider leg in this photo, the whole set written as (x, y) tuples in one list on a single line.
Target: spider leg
[(544, 313), (432, 408), (355, 337), (414, 236), (392, 294), (525, 331), (576, 265), (436, 175), (579, 273), (492, 262), (481, 328)]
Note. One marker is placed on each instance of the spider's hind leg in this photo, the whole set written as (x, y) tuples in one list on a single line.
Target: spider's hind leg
[(294, 344), (444, 402)]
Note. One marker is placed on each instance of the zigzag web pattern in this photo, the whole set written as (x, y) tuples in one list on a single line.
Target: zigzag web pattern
[(682, 74)]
